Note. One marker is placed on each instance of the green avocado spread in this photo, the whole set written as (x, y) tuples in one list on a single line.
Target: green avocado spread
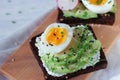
[(78, 55), (81, 12)]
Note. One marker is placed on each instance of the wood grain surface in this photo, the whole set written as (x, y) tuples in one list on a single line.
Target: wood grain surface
[(22, 65)]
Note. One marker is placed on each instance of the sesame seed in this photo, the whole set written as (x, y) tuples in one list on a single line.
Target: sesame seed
[(54, 34), (61, 19), (62, 68), (51, 44), (13, 59), (74, 54), (40, 39), (66, 77), (42, 42), (45, 77), (73, 35)]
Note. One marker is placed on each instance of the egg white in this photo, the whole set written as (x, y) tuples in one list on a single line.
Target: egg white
[(100, 9), (44, 46)]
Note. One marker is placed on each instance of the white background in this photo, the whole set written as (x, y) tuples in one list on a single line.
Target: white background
[(18, 19)]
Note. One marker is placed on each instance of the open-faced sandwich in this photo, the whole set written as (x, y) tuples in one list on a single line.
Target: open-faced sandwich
[(64, 52), (87, 11)]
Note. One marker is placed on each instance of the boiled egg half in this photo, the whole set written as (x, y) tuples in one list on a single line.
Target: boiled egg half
[(55, 39), (98, 6)]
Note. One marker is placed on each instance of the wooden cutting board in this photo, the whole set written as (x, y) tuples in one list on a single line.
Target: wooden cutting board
[(22, 65)]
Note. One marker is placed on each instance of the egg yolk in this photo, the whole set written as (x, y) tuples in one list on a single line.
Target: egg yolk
[(98, 2), (56, 36)]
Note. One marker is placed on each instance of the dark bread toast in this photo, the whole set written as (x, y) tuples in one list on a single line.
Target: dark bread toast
[(107, 19), (100, 65)]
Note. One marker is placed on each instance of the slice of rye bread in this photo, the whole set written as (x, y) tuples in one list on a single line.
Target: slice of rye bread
[(100, 65), (107, 19)]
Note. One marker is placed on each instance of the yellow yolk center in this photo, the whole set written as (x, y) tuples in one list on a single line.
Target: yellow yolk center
[(56, 36), (98, 2)]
